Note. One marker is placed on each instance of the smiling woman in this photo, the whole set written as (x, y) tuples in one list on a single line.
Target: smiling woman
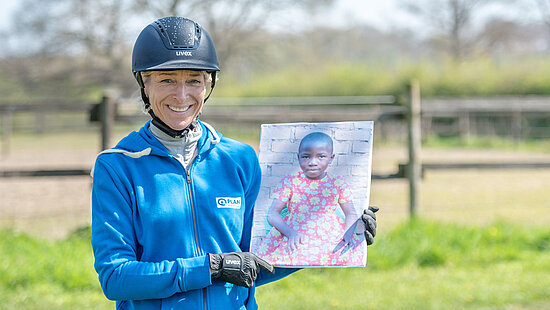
[(176, 97), (173, 203)]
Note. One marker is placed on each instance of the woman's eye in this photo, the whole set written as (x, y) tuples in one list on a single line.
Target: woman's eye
[(166, 81), (194, 82)]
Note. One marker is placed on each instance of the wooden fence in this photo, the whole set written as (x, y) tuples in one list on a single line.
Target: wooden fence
[(412, 117), (517, 118)]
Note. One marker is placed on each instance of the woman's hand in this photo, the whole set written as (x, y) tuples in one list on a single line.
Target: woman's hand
[(369, 219)]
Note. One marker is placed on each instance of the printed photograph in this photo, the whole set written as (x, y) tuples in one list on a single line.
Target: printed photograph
[(315, 185)]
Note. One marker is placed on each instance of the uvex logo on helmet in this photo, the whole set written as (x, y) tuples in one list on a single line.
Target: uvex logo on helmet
[(184, 53)]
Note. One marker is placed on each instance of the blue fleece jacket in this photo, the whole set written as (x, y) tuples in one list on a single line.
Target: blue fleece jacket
[(153, 222)]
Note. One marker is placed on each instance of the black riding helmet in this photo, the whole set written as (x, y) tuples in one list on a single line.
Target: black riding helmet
[(173, 43)]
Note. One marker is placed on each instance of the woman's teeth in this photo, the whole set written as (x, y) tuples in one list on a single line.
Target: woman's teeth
[(176, 109)]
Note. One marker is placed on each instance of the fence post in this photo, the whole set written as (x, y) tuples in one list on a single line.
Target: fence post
[(464, 125), (414, 168), (107, 118), (516, 126), (6, 133)]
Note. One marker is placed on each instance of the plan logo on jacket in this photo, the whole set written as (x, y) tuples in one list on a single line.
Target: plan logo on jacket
[(228, 202)]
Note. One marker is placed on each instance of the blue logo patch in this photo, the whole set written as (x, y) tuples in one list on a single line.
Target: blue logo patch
[(228, 202)]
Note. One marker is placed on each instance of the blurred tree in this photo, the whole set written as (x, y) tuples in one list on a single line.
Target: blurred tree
[(87, 42), (65, 46), (505, 37), (90, 28), (451, 20)]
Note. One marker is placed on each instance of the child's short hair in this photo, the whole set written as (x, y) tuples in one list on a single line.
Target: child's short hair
[(317, 137)]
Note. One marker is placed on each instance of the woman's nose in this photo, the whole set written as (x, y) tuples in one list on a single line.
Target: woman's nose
[(181, 91)]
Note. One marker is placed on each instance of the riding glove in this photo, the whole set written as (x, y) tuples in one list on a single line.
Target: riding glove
[(369, 218), (240, 268)]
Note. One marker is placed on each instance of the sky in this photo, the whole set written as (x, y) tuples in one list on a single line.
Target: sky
[(375, 12), (382, 14), (7, 8)]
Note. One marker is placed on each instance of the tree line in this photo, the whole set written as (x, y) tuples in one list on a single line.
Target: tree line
[(76, 48)]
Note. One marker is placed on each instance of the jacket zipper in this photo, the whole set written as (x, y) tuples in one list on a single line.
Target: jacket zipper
[(188, 177)]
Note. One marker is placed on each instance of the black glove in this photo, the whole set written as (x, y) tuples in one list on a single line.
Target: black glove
[(369, 218), (240, 268)]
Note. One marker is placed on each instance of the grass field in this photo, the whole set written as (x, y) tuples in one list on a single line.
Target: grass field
[(424, 265), (482, 243), (418, 265)]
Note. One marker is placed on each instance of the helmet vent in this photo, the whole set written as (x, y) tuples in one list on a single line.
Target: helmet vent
[(180, 32)]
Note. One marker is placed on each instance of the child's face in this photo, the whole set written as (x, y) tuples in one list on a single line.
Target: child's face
[(314, 159)]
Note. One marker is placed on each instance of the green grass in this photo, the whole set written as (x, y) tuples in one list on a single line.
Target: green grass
[(425, 265), (479, 76), (43, 274), (417, 265)]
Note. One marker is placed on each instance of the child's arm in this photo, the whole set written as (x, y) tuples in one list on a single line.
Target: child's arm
[(274, 218), (351, 218)]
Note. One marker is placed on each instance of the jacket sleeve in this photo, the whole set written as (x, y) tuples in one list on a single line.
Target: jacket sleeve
[(115, 248), (265, 277)]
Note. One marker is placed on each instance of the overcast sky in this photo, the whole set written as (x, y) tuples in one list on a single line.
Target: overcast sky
[(5, 12), (382, 14), (376, 12)]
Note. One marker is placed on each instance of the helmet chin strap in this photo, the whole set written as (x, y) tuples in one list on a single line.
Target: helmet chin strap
[(168, 130), (162, 125)]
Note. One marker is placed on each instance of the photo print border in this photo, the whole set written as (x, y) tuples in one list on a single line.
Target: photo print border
[(278, 158)]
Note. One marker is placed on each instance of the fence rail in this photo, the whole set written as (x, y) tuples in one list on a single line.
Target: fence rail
[(44, 173), (45, 106)]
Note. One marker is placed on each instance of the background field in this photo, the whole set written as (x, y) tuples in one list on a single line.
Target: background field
[(483, 241)]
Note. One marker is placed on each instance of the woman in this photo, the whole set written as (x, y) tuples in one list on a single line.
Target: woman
[(172, 204)]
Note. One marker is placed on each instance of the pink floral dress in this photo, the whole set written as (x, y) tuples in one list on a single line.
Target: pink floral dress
[(313, 211)]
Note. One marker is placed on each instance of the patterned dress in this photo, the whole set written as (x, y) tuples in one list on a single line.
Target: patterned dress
[(313, 211)]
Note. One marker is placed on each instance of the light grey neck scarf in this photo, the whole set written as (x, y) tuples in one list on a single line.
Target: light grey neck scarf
[(184, 148)]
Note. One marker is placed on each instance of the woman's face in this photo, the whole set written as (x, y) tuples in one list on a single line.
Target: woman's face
[(314, 158), (176, 96)]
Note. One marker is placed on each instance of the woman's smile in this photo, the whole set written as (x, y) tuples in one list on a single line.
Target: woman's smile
[(179, 109)]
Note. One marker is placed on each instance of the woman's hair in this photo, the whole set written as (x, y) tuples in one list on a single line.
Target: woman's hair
[(146, 75), (316, 137)]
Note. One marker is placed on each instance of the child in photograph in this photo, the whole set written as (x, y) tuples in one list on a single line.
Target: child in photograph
[(312, 233)]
